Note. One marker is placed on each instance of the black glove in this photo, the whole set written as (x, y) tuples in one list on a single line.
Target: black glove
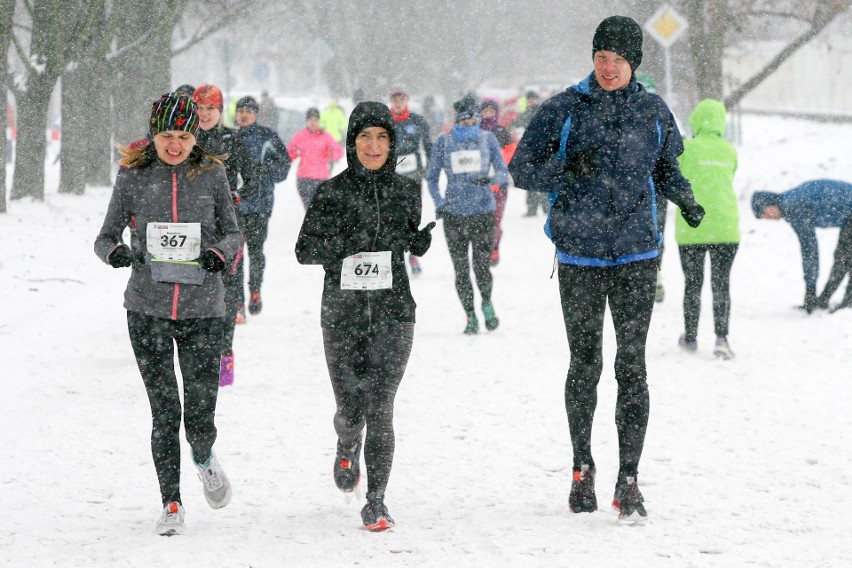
[(120, 257), (211, 262), (582, 163), (692, 214), (439, 213), (810, 300), (422, 240)]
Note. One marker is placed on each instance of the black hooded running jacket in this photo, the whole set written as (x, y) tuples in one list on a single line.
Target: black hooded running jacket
[(360, 210)]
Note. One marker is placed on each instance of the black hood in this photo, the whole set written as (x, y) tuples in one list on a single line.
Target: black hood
[(365, 115)]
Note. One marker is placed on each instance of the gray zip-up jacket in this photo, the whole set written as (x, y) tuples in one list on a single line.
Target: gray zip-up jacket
[(162, 193)]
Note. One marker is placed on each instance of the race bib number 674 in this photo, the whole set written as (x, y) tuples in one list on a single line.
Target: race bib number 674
[(367, 271)]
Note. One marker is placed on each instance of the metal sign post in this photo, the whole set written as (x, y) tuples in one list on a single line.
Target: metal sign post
[(666, 26)]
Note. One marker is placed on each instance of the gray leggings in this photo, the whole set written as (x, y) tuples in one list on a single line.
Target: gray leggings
[(366, 368)]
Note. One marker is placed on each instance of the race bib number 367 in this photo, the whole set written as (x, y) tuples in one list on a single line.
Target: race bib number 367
[(174, 241), (367, 271)]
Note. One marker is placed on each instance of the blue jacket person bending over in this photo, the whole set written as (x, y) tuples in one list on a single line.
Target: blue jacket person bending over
[(815, 204), (600, 150)]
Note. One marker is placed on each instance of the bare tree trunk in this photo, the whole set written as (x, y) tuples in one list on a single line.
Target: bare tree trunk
[(31, 148), (141, 75), (85, 151), (59, 29), (707, 22), (7, 12), (75, 133)]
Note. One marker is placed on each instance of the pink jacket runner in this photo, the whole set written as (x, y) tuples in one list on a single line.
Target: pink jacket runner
[(316, 150)]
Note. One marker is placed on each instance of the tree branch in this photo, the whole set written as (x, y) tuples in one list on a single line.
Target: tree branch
[(202, 35), (734, 98), (23, 56)]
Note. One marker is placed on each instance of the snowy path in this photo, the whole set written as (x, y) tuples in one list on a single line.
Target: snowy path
[(747, 462)]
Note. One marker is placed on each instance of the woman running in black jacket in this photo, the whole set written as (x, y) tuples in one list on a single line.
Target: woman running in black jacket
[(359, 226)]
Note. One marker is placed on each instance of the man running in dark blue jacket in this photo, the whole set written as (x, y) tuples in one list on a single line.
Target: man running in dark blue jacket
[(600, 150), (818, 203), (270, 163)]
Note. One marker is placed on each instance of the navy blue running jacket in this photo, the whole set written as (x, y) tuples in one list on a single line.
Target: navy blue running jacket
[(605, 215)]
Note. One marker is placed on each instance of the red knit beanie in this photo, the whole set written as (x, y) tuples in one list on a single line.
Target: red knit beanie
[(208, 94)]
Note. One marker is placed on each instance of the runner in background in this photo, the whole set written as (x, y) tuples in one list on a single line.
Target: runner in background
[(269, 163), (315, 149), (412, 134), (467, 155), (216, 139), (490, 112)]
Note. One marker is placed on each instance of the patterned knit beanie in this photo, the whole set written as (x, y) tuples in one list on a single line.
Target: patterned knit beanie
[(173, 111)]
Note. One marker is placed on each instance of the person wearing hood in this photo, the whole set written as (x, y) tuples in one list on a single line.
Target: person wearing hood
[(709, 163), (175, 200), (599, 150), (819, 203), (358, 227), (468, 156)]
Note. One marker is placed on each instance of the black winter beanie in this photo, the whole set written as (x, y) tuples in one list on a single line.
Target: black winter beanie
[(621, 35)]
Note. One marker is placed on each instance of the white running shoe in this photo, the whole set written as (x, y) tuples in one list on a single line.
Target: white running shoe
[(722, 350), (171, 520), (217, 488)]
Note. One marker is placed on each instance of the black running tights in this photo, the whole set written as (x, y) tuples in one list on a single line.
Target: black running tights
[(585, 291), (692, 262), (474, 233), (365, 370), (198, 344)]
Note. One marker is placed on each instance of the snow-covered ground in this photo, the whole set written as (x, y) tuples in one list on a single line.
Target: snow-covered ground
[(747, 462)]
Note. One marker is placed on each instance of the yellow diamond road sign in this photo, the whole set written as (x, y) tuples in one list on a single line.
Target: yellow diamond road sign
[(666, 26)]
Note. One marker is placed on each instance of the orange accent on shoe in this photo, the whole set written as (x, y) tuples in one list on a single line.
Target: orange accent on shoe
[(345, 464), (578, 476), (616, 505), (378, 526), (173, 507)]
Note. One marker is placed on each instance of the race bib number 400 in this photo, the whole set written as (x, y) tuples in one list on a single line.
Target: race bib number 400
[(174, 241), (466, 162), (367, 271)]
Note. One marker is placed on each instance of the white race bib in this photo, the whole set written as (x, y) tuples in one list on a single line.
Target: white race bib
[(466, 162), (406, 164), (174, 241), (367, 271)]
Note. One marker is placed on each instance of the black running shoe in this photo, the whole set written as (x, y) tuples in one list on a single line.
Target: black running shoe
[(375, 516), (347, 467), (582, 498), (628, 499)]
